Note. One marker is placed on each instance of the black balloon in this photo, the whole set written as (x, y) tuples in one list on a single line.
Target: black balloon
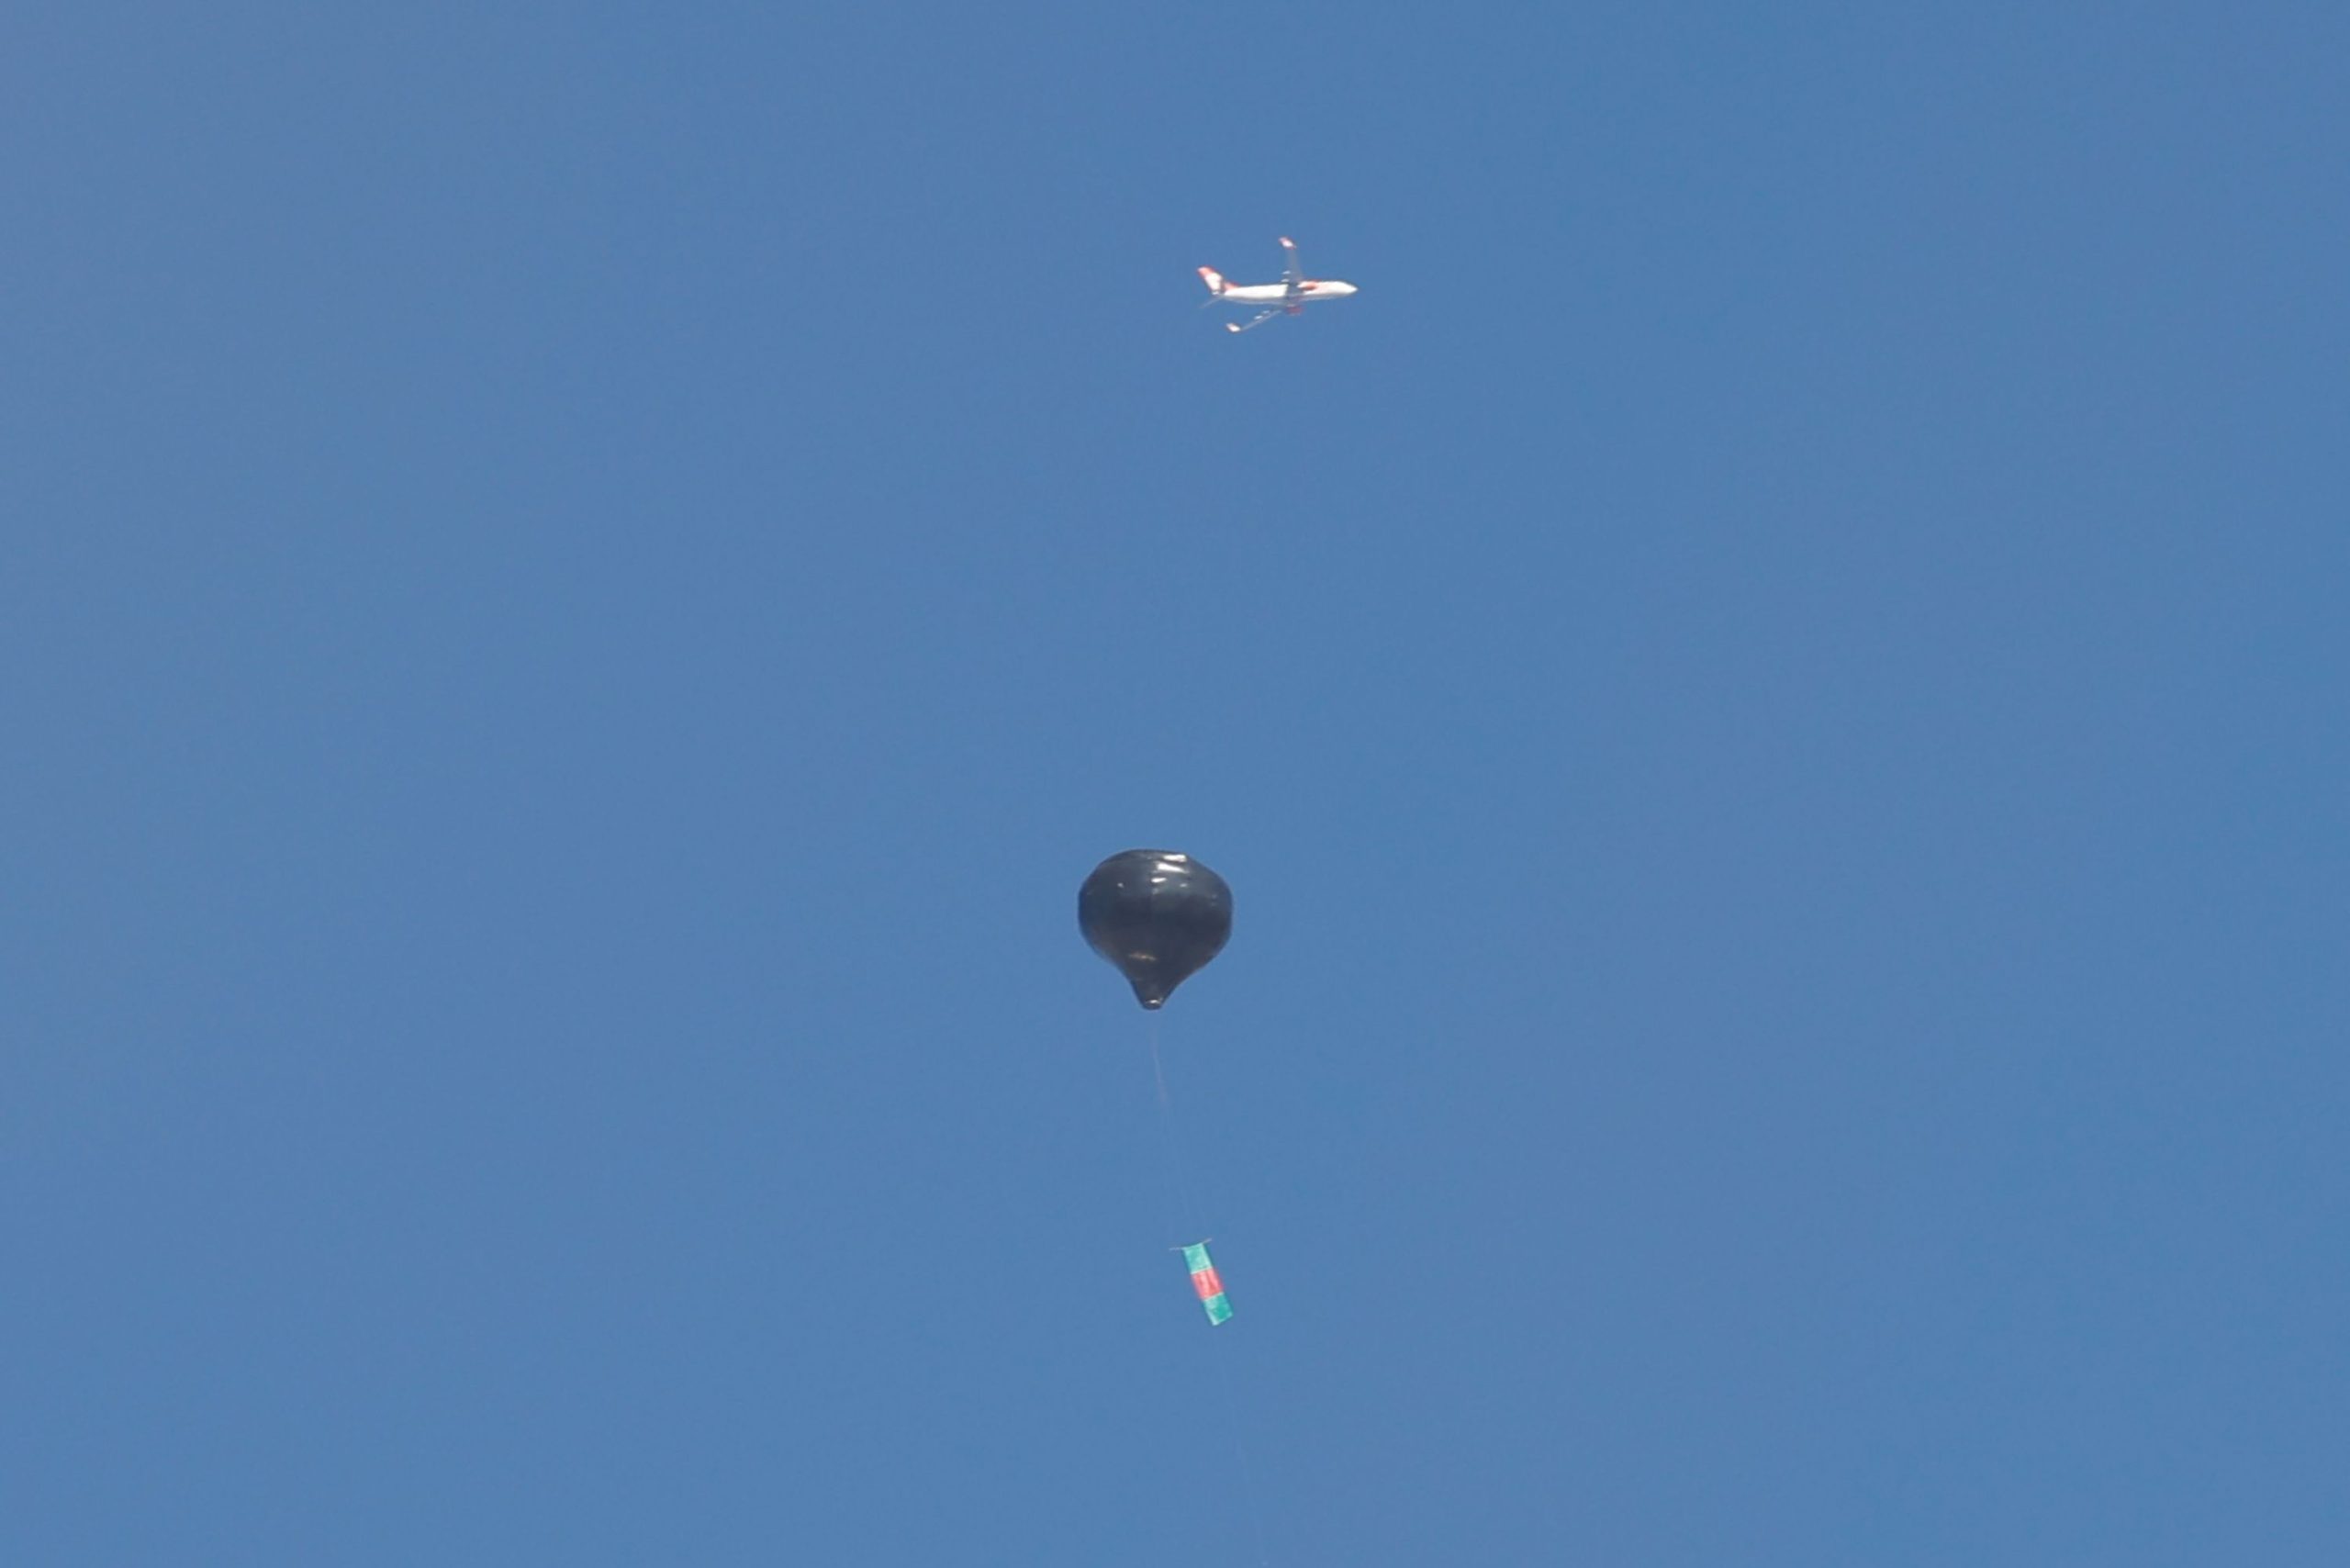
[(1157, 915)]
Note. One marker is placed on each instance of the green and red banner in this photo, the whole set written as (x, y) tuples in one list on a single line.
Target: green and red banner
[(1205, 1280)]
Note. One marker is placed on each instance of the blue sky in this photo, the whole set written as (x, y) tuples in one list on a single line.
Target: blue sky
[(579, 586)]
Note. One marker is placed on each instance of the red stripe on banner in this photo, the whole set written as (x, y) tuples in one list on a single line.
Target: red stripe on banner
[(1207, 1283)]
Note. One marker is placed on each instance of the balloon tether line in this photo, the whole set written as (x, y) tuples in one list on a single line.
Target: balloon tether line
[(1187, 1217), (1180, 1188)]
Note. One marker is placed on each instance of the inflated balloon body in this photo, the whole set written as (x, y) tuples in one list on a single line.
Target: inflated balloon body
[(1157, 915)]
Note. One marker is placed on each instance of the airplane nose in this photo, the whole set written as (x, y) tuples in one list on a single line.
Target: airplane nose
[(1342, 290)]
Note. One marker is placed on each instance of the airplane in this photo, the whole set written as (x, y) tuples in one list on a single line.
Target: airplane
[(1286, 298)]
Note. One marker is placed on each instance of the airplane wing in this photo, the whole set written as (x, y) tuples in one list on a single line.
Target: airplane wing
[(1290, 276), (1258, 319)]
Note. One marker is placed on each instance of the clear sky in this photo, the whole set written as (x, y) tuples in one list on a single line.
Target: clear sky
[(580, 584)]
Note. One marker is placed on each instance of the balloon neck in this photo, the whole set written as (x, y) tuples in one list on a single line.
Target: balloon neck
[(1150, 996)]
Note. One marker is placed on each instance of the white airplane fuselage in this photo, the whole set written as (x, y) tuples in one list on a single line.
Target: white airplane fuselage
[(1279, 293)]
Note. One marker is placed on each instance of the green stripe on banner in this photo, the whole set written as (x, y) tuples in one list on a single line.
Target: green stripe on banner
[(1218, 1308), (1196, 1256)]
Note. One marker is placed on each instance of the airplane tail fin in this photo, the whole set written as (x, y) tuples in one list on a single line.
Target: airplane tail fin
[(1213, 279)]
